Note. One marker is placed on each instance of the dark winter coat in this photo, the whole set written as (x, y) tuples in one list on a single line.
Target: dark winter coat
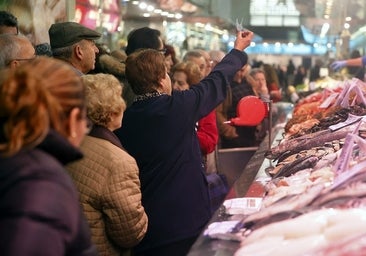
[(159, 133), (40, 213)]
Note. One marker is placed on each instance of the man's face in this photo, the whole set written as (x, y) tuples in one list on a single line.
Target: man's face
[(89, 50)]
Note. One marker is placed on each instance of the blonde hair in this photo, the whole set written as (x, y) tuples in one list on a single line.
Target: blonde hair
[(104, 97), (192, 71), (34, 98)]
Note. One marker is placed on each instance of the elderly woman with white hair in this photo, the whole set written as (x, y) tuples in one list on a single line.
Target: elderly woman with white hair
[(108, 177)]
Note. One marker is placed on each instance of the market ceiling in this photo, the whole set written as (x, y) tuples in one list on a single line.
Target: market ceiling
[(315, 15)]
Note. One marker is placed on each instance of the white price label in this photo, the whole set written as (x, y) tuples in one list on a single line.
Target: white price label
[(244, 205)]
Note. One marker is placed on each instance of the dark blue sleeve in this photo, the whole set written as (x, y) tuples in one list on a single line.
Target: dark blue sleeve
[(211, 91)]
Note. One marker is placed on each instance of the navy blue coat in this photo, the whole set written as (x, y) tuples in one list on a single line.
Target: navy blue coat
[(159, 133), (40, 213)]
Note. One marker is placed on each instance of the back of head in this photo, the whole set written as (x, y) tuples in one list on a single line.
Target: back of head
[(8, 23), (103, 97), (13, 47), (144, 70), (143, 38), (36, 97)]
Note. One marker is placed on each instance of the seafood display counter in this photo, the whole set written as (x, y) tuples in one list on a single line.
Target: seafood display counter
[(248, 184), (304, 190)]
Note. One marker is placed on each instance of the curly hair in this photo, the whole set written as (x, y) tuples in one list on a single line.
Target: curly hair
[(104, 97), (192, 71)]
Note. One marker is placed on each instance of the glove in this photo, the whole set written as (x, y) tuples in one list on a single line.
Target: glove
[(337, 65)]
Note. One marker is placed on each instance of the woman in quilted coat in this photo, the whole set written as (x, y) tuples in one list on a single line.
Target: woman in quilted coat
[(42, 120), (107, 176)]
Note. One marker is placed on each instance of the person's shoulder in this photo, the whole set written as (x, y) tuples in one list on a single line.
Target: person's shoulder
[(107, 152)]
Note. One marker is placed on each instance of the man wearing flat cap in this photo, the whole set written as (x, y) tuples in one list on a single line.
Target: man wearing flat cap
[(74, 44)]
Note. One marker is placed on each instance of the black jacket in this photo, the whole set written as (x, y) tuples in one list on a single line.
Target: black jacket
[(40, 212), (159, 133)]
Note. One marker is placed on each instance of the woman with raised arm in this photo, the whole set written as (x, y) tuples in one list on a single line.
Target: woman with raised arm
[(159, 132)]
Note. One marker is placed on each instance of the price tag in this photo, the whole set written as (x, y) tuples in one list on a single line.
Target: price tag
[(243, 205)]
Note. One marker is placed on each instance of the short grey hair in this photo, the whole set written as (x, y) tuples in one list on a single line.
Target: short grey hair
[(63, 53), (10, 46)]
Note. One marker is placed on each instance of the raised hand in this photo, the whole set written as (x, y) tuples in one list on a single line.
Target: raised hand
[(243, 39)]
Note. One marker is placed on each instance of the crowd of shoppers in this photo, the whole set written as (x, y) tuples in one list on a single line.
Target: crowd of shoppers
[(123, 188), (107, 153), (206, 127)]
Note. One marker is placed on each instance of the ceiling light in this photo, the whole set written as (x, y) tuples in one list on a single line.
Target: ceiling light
[(143, 6), (178, 16), (324, 30)]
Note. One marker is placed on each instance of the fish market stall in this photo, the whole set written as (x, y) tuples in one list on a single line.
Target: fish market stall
[(304, 191), (248, 186)]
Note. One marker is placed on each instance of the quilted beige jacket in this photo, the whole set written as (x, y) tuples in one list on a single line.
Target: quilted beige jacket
[(108, 182)]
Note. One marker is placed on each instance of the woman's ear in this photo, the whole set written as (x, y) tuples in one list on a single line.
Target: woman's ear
[(165, 85), (74, 123)]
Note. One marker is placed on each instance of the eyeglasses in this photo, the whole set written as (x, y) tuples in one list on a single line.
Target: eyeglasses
[(24, 59)]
